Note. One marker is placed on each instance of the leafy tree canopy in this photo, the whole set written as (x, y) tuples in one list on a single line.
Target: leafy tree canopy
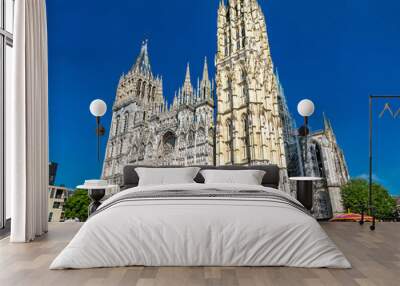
[(355, 195), (77, 205)]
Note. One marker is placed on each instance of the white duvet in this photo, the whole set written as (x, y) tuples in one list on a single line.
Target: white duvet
[(195, 231)]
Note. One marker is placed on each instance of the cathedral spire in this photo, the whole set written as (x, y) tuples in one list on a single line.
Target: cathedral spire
[(187, 86), (328, 129), (142, 62), (205, 70), (187, 77), (327, 123), (197, 97), (205, 84)]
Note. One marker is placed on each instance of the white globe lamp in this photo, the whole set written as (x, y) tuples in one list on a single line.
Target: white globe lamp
[(98, 108), (306, 108)]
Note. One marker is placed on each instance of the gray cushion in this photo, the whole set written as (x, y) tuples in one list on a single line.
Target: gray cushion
[(270, 179)]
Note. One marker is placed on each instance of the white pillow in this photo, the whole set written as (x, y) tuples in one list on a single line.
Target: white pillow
[(247, 177), (166, 176)]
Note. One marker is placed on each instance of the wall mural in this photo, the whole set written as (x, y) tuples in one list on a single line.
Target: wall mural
[(253, 124)]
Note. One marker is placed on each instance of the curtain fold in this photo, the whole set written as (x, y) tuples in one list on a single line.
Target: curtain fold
[(27, 124)]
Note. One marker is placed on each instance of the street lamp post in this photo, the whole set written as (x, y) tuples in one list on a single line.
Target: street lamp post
[(305, 108), (98, 108)]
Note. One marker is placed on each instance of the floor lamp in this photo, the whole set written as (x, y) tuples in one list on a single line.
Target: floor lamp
[(370, 207), (98, 108), (305, 108)]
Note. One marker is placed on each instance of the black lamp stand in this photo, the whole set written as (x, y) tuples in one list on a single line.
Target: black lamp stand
[(303, 132), (370, 207), (100, 131)]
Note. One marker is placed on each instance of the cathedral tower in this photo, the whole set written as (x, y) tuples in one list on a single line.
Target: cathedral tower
[(139, 94), (205, 119), (145, 130), (249, 128)]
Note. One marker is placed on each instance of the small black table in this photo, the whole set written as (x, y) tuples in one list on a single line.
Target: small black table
[(96, 191), (95, 195), (305, 190)]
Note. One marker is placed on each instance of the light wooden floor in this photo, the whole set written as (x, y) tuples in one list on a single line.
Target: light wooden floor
[(375, 257)]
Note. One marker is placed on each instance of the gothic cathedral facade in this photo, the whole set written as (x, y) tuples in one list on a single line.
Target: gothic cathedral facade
[(146, 130)]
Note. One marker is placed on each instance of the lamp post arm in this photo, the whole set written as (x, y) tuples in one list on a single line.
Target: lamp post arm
[(306, 122), (305, 138), (98, 136)]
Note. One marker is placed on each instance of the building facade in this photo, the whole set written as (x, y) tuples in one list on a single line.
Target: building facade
[(249, 126), (57, 198), (325, 159), (147, 130)]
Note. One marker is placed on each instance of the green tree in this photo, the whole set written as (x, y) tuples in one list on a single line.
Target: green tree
[(77, 205), (355, 195)]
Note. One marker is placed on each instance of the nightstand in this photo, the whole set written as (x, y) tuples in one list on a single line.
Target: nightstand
[(98, 190)]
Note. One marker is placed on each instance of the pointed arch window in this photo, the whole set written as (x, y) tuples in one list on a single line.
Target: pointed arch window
[(121, 148), (243, 74), (153, 95), (245, 126), (117, 121), (149, 89), (320, 162), (138, 87), (245, 87), (243, 35), (246, 136), (229, 129), (226, 46), (229, 89), (238, 38), (143, 88), (168, 142), (126, 121)]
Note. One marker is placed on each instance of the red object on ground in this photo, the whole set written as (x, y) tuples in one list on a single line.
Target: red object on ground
[(351, 217)]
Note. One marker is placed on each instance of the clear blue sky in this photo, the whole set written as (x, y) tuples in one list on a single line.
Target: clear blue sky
[(333, 52)]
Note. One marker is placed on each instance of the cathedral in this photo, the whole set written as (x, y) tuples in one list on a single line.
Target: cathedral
[(326, 160), (147, 130), (242, 119)]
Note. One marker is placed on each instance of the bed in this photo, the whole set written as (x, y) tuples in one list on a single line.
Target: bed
[(201, 224)]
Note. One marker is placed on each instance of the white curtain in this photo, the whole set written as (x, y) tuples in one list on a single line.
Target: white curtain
[(27, 124)]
